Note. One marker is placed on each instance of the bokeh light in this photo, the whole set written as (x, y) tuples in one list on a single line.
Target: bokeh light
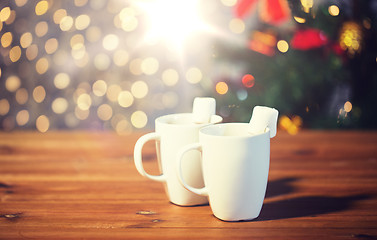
[(41, 8), (6, 39), (59, 105), (110, 42), (248, 80), (348, 106), (139, 119), (39, 94), (61, 80), (22, 117), (5, 14), (237, 25), (222, 88), (26, 39), (282, 46), (22, 96), (99, 88), (125, 99), (334, 10), (42, 123), (105, 112), (170, 77), (194, 75), (15, 53), (139, 89), (291, 125), (42, 65), (12, 83), (4, 106), (41, 29), (120, 64)]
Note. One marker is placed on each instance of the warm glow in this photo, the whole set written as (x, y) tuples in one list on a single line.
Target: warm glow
[(113, 92), (139, 89), (32, 52), (15, 53), (307, 5), (59, 105), (348, 106), (99, 88), (110, 42), (39, 94), (292, 126), (22, 117), (6, 39), (84, 101), (102, 61), (66, 23), (58, 15), (120, 58), (22, 96), (41, 28), (42, 123), (237, 25), (26, 39), (42, 65), (125, 99), (104, 112), (82, 22), (12, 83), (229, 3), (248, 80), (194, 75), (51, 45), (221, 88), (170, 77), (334, 10), (139, 119), (282, 46), (61, 80), (135, 66), (4, 14), (171, 20), (4, 107), (93, 34), (299, 19), (149, 66), (41, 8)]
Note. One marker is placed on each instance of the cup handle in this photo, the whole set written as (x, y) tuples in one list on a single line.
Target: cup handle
[(195, 146), (138, 156)]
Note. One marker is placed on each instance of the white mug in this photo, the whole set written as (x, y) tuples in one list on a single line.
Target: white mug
[(235, 169), (173, 132)]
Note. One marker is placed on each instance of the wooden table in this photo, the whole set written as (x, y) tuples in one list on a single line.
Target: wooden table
[(322, 185)]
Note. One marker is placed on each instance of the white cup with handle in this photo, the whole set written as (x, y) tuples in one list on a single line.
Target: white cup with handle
[(235, 166), (171, 133)]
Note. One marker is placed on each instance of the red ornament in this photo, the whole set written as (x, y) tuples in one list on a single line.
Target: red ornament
[(274, 12), (308, 39)]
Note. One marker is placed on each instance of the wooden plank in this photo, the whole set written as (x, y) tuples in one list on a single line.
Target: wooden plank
[(322, 184)]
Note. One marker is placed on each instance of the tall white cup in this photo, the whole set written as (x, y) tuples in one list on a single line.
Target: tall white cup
[(171, 133), (235, 169)]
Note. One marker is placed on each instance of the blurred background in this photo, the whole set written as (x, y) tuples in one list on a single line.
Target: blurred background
[(118, 64)]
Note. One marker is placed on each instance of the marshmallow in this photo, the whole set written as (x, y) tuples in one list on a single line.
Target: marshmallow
[(263, 118), (203, 109)]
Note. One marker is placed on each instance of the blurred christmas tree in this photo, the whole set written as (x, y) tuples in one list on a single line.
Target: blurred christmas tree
[(314, 62)]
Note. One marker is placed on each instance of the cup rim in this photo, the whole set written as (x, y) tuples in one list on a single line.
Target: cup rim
[(206, 131), (164, 119)]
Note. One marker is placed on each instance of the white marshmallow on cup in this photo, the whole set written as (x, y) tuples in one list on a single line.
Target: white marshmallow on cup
[(203, 109), (263, 118)]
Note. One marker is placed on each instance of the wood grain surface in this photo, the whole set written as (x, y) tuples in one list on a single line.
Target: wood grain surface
[(84, 185)]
